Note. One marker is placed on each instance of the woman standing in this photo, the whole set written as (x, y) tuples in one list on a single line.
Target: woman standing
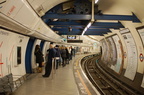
[(39, 58)]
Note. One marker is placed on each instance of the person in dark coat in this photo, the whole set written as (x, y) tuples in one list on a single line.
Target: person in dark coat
[(51, 55), (39, 58), (63, 55), (58, 55), (67, 55)]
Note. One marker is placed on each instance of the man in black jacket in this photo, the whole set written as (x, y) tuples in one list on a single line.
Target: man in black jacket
[(51, 55)]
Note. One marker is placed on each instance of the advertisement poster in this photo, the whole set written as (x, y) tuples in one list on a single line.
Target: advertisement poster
[(108, 57), (3, 52), (117, 67), (112, 53), (131, 54), (141, 34), (104, 51)]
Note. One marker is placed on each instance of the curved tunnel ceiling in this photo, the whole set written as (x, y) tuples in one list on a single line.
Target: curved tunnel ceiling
[(70, 18)]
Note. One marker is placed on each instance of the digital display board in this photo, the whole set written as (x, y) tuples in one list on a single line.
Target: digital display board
[(71, 37)]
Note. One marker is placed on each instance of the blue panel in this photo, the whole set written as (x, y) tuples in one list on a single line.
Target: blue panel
[(28, 55), (42, 45)]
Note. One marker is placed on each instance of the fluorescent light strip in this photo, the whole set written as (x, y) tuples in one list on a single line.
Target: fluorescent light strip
[(84, 31), (89, 24)]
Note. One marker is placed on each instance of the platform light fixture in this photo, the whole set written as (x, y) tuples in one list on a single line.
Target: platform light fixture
[(96, 1)]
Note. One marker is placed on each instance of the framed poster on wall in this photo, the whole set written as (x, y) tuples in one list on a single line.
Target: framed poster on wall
[(132, 63)]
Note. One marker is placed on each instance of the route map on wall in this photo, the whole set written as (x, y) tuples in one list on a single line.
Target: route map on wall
[(132, 54)]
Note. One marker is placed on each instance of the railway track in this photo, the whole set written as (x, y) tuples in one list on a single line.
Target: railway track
[(106, 84)]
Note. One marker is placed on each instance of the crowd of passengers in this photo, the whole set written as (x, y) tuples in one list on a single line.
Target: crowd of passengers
[(61, 55)]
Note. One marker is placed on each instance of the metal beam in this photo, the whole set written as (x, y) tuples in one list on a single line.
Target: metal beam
[(88, 17), (68, 23), (108, 24), (79, 33), (67, 16), (78, 30), (95, 33), (95, 24), (118, 17), (82, 27)]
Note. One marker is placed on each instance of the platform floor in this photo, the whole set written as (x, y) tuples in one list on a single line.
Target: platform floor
[(67, 80), (61, 83)]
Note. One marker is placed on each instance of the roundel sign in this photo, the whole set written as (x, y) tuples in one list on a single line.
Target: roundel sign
[(141, 57)]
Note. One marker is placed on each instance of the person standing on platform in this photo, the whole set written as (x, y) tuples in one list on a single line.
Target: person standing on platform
[(51, 55), (39, 58), (58, 55), (67, 55), (72, 52), (63, 55)]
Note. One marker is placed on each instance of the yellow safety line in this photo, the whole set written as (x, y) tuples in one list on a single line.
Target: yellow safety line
[(87, 90), (77, 61)]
